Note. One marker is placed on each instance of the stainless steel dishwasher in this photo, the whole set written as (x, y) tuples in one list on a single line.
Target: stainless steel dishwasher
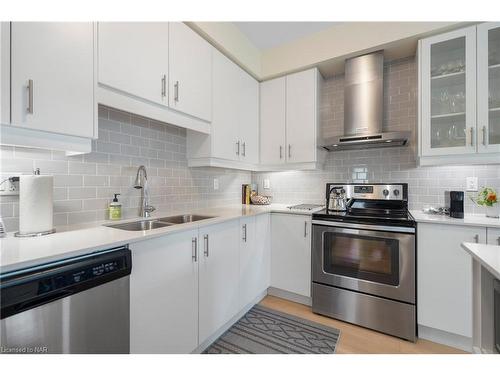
[(78, 305)]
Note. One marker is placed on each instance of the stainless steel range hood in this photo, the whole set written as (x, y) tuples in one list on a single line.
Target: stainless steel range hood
[(363, 106)]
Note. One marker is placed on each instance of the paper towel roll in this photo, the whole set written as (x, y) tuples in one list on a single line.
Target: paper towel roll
[(35, 203)]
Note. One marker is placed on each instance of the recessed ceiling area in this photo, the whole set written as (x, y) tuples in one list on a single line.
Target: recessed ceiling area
[(265, 35)]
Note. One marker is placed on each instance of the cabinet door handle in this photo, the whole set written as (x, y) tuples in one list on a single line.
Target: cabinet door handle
[(305, 228), (281, 152), (471, 130), (244, 233), (164, 86), (244, 146), (289, 151), (194, 242), (205, 238), (29, 109), (237, 147), (484, 135), (176, 91), (476, 238)]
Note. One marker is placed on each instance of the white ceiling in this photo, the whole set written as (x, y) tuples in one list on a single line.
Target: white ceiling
[(266, 35)]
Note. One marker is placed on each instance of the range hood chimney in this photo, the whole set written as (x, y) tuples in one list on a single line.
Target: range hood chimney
[(363, 105)]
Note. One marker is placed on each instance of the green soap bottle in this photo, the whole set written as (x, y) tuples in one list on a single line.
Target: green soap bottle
[(115, 209)]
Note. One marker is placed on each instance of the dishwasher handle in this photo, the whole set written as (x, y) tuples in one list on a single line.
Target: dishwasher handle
[(26, 289)]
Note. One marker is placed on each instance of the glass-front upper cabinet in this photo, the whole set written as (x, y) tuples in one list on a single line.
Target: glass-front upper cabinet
[(488, 86), (448, 97)]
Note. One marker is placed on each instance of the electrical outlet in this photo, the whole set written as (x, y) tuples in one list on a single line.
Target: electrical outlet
[(471, 184), (9, 187), (267, 184), (216, 184)]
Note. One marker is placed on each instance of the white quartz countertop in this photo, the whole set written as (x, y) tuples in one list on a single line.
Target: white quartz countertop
[(469, 220), (18, 253), (487, 255)]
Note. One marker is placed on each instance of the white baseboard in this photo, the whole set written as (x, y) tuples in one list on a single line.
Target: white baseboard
[(445, 338), (294, 297), (226, 326)]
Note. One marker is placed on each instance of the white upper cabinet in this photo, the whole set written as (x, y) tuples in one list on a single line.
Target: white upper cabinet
[(225, 115), (4, 73), (133, 58), (273, 121), (190, 68), (52, 77), (448, 74), (488, 87), (301, 116), (459, 105), (290, 126), (234, 138), (248, 120)]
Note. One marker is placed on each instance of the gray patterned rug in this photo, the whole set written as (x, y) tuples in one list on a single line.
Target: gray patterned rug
[(267, 331)]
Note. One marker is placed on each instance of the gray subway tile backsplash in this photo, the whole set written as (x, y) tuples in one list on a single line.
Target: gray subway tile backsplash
[(85, 184)]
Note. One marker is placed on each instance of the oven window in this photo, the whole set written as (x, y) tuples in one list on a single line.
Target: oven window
[(362, 257)]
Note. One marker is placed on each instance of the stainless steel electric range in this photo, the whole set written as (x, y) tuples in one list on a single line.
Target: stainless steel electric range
[(363, 258)]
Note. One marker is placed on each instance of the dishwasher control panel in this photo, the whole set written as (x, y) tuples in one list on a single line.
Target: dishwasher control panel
[(25, 289)]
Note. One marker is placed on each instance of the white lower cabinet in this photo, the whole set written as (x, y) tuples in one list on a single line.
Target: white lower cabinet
[(254, 257), (164, 295), (291, 253), (219, 276), (444, 278)]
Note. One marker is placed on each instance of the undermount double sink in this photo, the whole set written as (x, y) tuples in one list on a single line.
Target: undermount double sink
[(161, 222)]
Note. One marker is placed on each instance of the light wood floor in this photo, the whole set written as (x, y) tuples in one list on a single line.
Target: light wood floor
[(358, 340)]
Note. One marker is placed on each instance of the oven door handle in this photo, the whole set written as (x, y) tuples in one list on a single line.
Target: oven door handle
[(384, 228)]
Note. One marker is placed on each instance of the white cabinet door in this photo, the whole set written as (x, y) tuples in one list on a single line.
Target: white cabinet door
[(272, 121), (248, 261), (226, 114), (248, 119), (219, 276), (190, 72), (262, 246), (4, 72), (444, 277), (52, 77), (133, 58), (301, 116), (493, 236), (164, 295), (488, 86), (448, 93), (254, 257), (291, 253)]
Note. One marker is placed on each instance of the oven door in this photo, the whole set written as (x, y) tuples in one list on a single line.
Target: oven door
[(365, 258)]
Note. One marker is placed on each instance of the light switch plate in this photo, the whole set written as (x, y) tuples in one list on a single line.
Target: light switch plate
[(267, 184), (216, 184), (471, 184)]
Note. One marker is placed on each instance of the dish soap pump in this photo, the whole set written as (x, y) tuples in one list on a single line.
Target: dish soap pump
[(115, 209)]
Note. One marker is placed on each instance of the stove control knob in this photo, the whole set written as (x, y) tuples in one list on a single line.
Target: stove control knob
[(396, 192), (385, 192)]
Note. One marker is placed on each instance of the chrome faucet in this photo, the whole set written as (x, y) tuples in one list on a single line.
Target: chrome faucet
[(141, 182)]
